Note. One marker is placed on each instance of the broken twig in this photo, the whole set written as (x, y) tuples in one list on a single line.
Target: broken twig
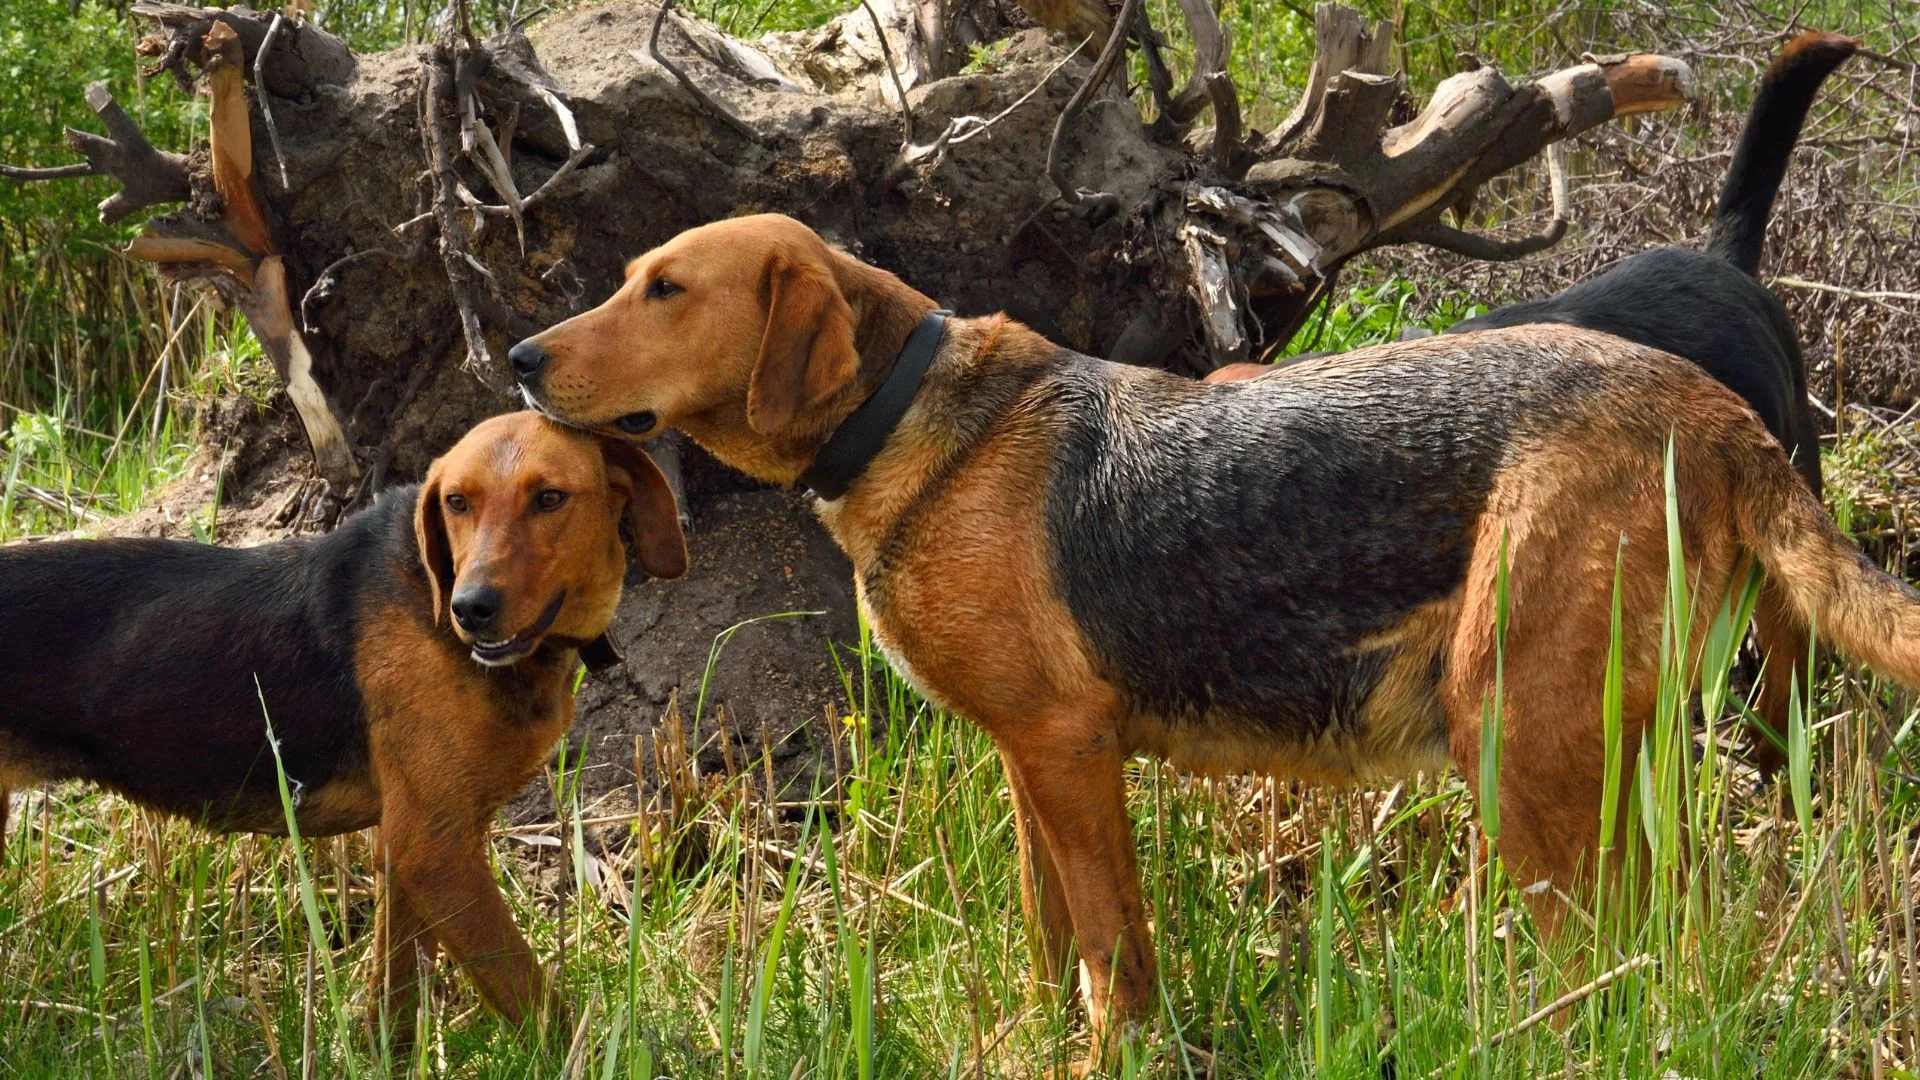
[(260, 92), (435, 98), (712, 107), (886, 52), (1109, 56)]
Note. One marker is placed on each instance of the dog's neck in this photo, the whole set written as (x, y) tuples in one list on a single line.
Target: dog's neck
[(885, 311)]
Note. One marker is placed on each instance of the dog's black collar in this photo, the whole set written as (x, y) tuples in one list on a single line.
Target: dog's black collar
[(853, 445), (599, 655)]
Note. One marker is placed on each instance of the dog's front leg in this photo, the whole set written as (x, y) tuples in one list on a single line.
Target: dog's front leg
[(441, 873), (1043, 900), (1071, 782), (399, 933)]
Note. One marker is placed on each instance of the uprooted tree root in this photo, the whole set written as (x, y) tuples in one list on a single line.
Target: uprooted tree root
[(391, 223)]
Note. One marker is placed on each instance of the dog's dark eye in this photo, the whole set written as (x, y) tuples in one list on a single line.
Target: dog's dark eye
[(660, 288), (457, 503), (550, 499)]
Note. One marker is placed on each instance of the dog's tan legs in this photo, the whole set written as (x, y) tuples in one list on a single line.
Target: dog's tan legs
[(1782, 636), (1043, 900), (1075, 790), (442, 876), (393, 988)]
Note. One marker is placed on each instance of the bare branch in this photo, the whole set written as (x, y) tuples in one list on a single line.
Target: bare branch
[(963, 129), (1491, 250), (886, 52), (436, 99), (326, 278), (1212, 46), (1342, 42), (1102, 69), (50, 172), (260, 92), (712, 107), (148, 177), (1448, 238)]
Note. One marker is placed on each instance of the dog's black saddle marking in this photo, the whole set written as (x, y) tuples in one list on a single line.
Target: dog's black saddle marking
[(1224, 548)]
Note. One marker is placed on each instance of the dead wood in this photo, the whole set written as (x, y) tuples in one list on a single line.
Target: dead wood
[(148, 177), (1158, 242), (303, 57)]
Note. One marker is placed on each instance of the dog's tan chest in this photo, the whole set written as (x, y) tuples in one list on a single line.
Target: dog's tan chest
[(440, 722)]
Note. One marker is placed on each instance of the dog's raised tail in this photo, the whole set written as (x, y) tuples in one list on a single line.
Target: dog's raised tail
[(1853, 604), (1766, 144)]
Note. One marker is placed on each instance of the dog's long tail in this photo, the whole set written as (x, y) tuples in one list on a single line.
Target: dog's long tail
[(1766, 144), (1852, 603)]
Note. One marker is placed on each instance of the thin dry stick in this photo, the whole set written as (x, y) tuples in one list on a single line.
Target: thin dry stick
[(260, 92), (712, 107), (1571, 997), (117, 876), (434, 93), (974, 989), (1841, 290), (326, 277), (982, 127), (158, 365), (577, 1050), (51, 172), (889, 891), (886, 51), (1109, 56)]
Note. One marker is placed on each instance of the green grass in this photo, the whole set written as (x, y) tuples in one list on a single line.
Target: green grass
[(734, 930), (1301, 931), (59, 474)]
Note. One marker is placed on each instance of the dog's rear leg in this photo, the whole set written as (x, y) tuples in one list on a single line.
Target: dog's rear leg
[(1043, 900), (1552, 718), (1782, 636), (6, 804), (1069, 773)]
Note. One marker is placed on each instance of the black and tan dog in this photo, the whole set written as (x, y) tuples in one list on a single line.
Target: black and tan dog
[(153, 667), (1292, 574), (1710, 307)]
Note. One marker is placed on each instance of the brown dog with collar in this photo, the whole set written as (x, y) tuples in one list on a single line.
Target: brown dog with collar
[(1293, 574), (416, 665)]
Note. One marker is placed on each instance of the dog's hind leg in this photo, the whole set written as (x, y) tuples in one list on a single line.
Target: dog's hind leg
[(6, 803), (1782, 636), (1069, 770), (1043, 901), (1552, 727)]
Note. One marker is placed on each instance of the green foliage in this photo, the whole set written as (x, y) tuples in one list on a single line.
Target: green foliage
[(735, 929)]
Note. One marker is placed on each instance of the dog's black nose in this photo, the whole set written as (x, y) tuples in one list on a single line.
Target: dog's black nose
[(527, 359), (474, 608)]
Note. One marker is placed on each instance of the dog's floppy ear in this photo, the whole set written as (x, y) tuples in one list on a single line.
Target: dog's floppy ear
[(807, 350), (430, 535), (658, 545)]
